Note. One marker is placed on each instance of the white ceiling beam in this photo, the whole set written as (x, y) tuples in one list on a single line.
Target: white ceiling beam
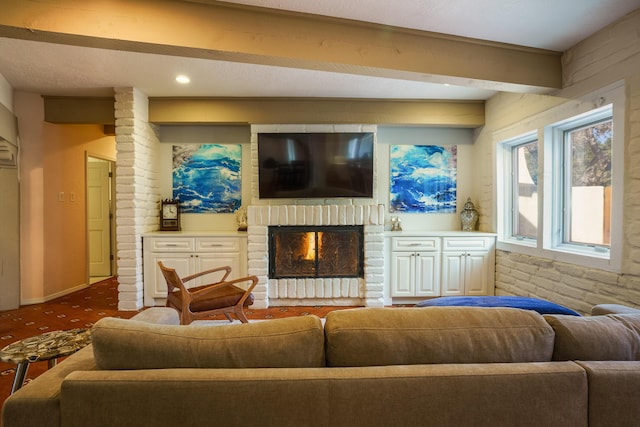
[(226, 32)]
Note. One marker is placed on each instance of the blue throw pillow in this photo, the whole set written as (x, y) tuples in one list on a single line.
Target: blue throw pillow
[(526, 303)]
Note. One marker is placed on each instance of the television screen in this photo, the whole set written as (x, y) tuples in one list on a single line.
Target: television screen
[(315, 165)]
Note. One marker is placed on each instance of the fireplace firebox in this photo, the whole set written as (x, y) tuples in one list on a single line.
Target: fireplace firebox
[(316, 251)]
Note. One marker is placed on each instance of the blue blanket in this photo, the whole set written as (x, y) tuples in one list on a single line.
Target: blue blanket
[(535, 304)]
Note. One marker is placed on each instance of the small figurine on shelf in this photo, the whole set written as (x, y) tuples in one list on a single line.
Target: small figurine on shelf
[(395, 223), (241, 218)]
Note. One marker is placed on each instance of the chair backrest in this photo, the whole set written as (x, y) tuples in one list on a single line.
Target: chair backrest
[(173, 280)]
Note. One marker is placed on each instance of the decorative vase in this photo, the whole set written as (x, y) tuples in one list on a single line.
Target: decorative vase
[(469, 216)]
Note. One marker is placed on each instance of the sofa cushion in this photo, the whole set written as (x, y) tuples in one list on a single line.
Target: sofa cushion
[(385, 336), (610, 337), (293, 342)]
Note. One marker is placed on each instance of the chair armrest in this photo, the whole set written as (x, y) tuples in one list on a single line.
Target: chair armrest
[(213, 270), (202, 293)]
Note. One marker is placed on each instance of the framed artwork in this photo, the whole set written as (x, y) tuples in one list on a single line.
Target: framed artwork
[(207, 177), (423, 178)]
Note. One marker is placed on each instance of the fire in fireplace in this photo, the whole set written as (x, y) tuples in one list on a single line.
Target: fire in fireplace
[(316, 251)]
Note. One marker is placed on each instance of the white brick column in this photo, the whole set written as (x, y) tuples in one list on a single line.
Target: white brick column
[(137, 191)]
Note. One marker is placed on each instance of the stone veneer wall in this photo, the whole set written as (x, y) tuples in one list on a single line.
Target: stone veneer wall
[(366, 291), (573, 286), (137, 191), (610, 55)]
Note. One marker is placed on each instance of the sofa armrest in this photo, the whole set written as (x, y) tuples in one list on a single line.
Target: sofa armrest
[(604, 309), (614, 390), (38, 403)]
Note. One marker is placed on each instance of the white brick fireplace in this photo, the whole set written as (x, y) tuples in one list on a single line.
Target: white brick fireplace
[(262, 214), (367, 291)]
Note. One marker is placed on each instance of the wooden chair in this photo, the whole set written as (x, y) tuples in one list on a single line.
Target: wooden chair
[(203, 301)]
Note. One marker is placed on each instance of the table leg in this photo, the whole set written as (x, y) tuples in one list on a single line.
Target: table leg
[(52, 362), (21, 373)]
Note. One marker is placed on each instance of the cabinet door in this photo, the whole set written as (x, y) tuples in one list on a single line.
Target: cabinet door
[(453, 265), (476, 273), (402, 272), (154, 283), (214, 260), (427, 274)]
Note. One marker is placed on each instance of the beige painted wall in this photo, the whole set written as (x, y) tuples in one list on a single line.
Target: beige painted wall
[(53, 232), (386, 137), (9, 215), (65, 202), (30, 113)]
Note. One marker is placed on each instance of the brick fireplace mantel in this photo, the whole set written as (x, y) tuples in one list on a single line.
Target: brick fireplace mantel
[(367, 291)]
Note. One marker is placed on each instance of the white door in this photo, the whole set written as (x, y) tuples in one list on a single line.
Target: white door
[(98, 218)]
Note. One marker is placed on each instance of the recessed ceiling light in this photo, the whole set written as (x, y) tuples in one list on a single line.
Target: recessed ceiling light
[(182, 79)]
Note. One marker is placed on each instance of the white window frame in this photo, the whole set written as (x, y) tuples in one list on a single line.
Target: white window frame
[(555, 211), (506, 191), (547, 125)]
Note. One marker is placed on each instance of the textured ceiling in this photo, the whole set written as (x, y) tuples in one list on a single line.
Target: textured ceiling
[(70, 70)]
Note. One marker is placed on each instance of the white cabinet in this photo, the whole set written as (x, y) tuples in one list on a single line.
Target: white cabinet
[(453, 263), (468, 265), (415, 267), (189, 254)]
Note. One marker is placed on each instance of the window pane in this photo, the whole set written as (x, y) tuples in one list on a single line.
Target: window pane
[(589, 193), (525, 190)]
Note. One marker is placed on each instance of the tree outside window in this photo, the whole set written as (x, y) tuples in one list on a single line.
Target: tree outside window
[(525, 190), (587, 190)]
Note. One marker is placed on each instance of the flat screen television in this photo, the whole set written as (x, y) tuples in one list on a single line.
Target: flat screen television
[(315, 165)]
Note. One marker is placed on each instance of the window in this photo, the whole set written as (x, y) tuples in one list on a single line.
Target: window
[(520, 189), (587, 184), (582, 172), (525, 190), (559, 182)]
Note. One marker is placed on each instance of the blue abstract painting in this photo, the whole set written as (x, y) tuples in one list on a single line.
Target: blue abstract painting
[(207, 177), (423, 178)]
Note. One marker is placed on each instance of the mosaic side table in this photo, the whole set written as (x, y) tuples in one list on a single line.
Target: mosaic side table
[(48, 346)]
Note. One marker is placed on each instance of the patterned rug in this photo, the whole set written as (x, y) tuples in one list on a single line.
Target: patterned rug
[(81, 310)]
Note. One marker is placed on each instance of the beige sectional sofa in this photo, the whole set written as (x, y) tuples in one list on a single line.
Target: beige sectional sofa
[(437, 366)]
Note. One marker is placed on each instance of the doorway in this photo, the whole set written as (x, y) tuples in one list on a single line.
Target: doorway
[(100, 218)]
